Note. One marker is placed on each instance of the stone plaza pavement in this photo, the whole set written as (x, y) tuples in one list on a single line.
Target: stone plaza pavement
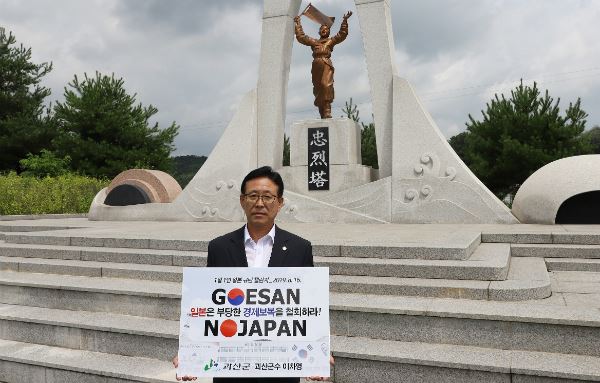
[(91, 301)]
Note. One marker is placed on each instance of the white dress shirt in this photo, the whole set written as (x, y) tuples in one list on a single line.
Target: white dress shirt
[(258, 253)]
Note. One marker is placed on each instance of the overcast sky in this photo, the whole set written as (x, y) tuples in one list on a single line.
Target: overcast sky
[(194, 59)]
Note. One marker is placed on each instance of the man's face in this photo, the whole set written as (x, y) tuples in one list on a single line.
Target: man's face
[(261, 213), (324, 31)]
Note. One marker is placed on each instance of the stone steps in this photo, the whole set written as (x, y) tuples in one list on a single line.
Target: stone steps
[(570, 264), (153, 299), (527, 279), (555, 251), (489, 324), (105, 254), (461, 248), (160, 300), (90, 331), (531, 283), (34, 363), (93, 269), (520, 235), (360, 359), (488, 262), (87, 304)]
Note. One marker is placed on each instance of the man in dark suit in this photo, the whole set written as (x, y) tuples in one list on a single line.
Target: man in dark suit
[(259, 243)]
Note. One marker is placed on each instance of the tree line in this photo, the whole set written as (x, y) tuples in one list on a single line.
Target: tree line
[(98, 130)]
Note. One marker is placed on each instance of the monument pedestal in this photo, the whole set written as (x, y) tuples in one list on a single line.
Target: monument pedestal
[(333, 146)]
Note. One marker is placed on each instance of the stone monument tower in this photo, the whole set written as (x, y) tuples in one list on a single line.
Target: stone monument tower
[(420, 180)]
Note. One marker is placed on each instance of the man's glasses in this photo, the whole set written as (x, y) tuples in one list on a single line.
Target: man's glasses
[(266, 198)]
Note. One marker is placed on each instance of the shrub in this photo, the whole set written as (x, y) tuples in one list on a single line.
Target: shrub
[(45, 164), (63, 194)]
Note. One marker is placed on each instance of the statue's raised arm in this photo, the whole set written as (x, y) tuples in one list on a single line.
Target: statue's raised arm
[(343, 32), (300, 35)]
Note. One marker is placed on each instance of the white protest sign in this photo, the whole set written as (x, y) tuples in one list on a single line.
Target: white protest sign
[(254, 322)]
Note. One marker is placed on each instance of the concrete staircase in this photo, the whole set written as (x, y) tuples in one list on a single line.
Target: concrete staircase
[(102, 306)]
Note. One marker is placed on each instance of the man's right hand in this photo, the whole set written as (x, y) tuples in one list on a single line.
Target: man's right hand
[(179, 378)]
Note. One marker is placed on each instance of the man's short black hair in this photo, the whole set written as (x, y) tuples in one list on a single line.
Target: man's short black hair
[(265, 171)]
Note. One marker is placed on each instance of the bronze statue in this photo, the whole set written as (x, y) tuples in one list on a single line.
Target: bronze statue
[(322, 68)]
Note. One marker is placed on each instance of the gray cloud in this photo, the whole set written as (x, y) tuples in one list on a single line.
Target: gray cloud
[(194, 60)]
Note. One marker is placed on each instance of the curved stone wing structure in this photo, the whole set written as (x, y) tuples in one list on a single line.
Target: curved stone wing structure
[(540, 197), (430, 183)]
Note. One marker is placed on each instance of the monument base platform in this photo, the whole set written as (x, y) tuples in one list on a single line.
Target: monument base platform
[(447, 303)]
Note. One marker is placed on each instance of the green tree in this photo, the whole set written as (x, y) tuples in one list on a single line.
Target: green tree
[(45, 164), (286, 150), (519, 135), (458, 143), (368, 144), (593, 135), (186, 167), (105, 132), (25, 124)]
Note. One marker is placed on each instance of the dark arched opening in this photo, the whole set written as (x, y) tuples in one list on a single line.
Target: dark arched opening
[(126, 194), (582, 208)]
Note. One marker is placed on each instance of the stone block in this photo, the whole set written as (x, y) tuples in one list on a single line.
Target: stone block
[(544, 367), (275, 8), (580, 340), (344, 142), (8, 264), (516, 237), (153, 307), (66, 376), (20, 372), (489, 269), (512, 290), (440, 288), (63, 268), (568, 264), (354, 370), (133, 243), (29, 332), (338, 322), (40, 251), (168, 275), (517, 378), (129, 344), (341, 177), (116, 256), (36, 239), (178, 244), (323, 250), (577, 287), (555, 251), (87, 241), (576, 238), (191, 260)]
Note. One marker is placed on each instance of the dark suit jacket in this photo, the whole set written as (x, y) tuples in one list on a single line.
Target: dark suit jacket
[(289, 250)]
